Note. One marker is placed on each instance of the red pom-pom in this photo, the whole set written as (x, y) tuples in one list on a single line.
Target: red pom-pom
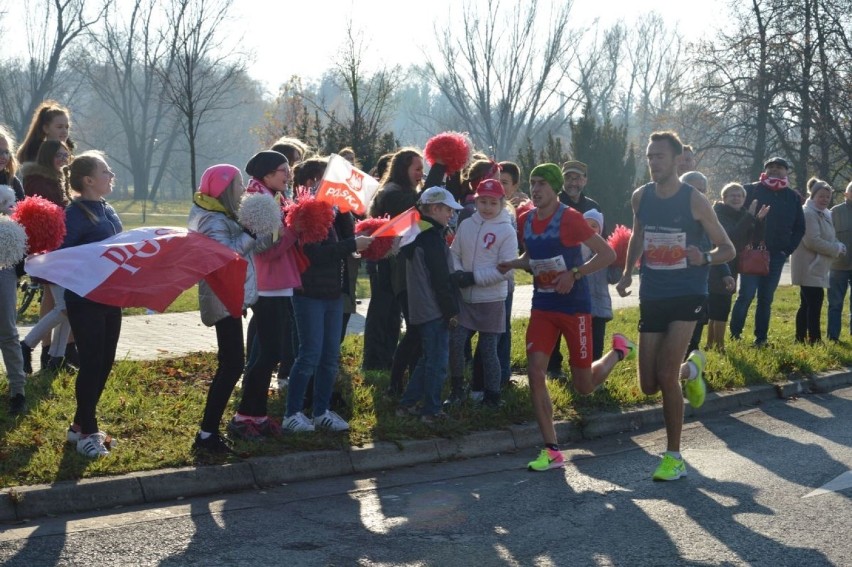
[(44, 223), (380, 247), (450, 148), (618, 240), (311, 219)]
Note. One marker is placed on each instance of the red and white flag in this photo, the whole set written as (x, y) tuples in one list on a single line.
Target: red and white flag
[(145, 267), (347, 187), (406, 225)]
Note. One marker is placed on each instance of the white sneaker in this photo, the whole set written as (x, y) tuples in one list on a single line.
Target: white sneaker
[(92, 447), (331, 421), (297, 423), (74, 436)]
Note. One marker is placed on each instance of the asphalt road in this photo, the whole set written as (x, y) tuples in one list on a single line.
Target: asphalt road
[(770, 485)]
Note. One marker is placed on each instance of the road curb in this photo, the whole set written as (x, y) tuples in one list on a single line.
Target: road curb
[(85, 495)]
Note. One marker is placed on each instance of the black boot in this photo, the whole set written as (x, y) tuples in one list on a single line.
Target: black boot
[(28, 357), (456, 392), (491, 400), (45, 355), (71, 355)]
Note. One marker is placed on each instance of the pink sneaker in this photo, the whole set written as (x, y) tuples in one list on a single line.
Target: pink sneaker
[(625, 346)]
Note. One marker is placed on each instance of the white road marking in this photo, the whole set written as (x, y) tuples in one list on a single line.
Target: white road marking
[(842, 482)]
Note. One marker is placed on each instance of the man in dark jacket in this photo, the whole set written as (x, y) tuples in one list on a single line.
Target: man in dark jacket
[(575, 174), (785, 227)]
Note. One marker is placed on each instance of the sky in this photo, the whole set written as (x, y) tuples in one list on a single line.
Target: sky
[(312, 29), (302, 37)]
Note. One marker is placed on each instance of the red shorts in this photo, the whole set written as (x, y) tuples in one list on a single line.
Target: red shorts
[(544, 330)]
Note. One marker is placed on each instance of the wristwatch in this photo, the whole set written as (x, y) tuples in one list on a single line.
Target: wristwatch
[(708, 259), (577, 273)]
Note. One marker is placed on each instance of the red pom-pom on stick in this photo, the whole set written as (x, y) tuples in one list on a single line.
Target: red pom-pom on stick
[(311, 219), (450, 148), (380, 247), (618, 240), (43, 221)]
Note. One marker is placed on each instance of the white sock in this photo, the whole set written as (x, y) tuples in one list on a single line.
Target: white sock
[(675, 454), (205, 434), (693, 370)]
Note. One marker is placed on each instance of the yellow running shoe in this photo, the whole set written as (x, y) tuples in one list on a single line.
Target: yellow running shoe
[(695, 388), (670, 468), (547, 459)]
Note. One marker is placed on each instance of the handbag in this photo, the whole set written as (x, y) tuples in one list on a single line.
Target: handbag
[(754, 260)]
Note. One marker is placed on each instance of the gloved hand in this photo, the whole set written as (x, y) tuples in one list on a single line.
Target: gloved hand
[(463, 279)]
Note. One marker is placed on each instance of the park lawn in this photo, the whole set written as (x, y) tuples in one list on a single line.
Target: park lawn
[(156, 431)]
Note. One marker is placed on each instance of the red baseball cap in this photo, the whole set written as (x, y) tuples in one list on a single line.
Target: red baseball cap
[(490, 188)]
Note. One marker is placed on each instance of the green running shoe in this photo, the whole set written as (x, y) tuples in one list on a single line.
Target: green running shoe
[(547, 460), (696, 389), (670, 468)]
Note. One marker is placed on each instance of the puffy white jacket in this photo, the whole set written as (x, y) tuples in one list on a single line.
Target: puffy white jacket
[(228, 232), (478, 247)]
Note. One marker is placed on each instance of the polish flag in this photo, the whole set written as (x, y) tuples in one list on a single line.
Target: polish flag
[(406, 225), (346, 187), (145, 267)]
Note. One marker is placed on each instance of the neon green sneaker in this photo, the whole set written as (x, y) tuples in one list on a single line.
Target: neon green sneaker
[(670, 468), (624, 345), (696, 389), (547, 460)]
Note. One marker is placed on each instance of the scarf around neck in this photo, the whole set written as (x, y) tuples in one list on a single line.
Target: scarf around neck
[(773, 183)]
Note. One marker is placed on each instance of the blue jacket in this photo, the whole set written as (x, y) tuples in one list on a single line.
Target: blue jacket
[(89, 221)]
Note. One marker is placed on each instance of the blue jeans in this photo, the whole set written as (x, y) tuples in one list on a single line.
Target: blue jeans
[(428, 379), (320, 322), (839, 281), (764, 287)]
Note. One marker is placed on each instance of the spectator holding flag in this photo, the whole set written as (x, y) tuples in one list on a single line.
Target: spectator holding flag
[(214, 214), (89, 218), (432, 301)]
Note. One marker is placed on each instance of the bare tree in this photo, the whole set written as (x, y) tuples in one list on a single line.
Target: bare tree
[(121, 63), (52, 26), (360, 118), (597, 74), (204, 69), (504, 73)]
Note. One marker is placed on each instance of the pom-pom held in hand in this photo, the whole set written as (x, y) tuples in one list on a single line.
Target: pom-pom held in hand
[(618, 240), (450, 148), (311, 219), (259, 213), (381, 247), (43, 221), (13, 242)]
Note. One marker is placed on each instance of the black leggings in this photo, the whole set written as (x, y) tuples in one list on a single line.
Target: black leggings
[(808, 315), (96, 328), (229, 337), (272, 315)]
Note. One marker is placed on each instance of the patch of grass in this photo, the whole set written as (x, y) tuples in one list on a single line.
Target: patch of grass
[(156, 431)]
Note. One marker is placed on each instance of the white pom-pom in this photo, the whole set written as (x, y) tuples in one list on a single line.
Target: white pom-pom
[(259, 213), (13, 242), (7, 199)]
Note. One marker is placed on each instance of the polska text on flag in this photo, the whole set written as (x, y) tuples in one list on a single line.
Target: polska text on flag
[(346, 187), (145, 267)]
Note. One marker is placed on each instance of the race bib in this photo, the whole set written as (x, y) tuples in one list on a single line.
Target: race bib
[(546, 271), (665, 251)]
